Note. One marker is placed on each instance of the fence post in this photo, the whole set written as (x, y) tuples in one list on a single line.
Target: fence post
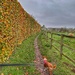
[(61, 46), (47, 36), (51, 40)]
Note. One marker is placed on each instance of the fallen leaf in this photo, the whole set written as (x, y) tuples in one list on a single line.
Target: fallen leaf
[(17, 68), (2, 73), (9, 74), (26, 73)]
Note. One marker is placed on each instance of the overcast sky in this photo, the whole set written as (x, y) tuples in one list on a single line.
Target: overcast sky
[(51, 13)]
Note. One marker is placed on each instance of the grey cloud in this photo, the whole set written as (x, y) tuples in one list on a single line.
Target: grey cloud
[(51, 12)]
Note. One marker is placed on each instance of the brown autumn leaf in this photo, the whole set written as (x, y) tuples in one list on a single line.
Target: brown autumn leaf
[(2, 73), (17, 68), (26, 73), (9, 74)]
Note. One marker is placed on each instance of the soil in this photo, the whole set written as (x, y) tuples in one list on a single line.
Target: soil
[(39, 60)]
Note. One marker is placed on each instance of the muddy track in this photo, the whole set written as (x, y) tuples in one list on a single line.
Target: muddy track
[(39, 61)]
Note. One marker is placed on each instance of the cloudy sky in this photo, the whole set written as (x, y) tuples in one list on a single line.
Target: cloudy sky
[(51, 13)]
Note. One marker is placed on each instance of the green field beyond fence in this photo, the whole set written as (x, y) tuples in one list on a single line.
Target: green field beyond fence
[(60, 50)]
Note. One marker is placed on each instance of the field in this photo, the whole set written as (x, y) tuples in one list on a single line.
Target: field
[(24, 53), (64, 66)]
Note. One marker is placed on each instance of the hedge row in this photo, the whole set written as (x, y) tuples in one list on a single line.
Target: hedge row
[(15, 26)]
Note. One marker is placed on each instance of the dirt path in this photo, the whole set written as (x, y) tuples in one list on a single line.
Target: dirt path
[(39, 61)]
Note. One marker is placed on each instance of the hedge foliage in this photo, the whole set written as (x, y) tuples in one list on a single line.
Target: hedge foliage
[(15, 26)]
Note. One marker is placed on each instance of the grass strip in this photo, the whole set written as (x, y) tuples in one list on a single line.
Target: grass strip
[(23, 54)]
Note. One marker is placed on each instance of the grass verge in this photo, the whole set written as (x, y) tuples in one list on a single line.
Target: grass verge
[(22, 54), (54, 57)]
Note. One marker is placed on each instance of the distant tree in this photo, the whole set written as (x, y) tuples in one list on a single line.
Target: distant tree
[(43, 26)]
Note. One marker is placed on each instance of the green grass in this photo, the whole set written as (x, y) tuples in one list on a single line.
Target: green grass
[(68, 41), (54, 56), (22, 54)]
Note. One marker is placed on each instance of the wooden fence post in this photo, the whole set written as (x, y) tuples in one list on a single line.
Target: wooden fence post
[(51, 40), (47, 36), (61, 46)]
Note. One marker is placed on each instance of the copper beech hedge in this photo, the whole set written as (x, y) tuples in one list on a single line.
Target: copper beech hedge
[(15, 26)]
